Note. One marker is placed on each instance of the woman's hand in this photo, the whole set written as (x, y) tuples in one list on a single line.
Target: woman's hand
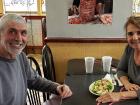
[(116, 96), (109, 97), (131, 87), (128, 86), (64, 91)]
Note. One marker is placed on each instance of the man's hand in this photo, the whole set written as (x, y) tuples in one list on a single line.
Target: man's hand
[(64, 91)]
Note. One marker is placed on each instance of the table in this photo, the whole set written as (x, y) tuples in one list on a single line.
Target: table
[(79, 84)]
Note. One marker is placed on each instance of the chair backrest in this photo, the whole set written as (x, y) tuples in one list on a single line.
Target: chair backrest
[(48, 63), (48, 66), (33, 62), (33, 96)]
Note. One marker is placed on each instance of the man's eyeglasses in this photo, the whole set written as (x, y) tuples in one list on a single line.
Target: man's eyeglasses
[(132, 33)]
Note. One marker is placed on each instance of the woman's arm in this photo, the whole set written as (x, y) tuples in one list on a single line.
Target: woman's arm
[(128, 86), (116, 96), (128, 94)]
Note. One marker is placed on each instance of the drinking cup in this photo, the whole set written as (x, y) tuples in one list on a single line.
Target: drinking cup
[(106, 61), (89, 63)]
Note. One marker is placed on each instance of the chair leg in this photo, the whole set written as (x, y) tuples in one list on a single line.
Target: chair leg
[(48, 96), (44, 97)]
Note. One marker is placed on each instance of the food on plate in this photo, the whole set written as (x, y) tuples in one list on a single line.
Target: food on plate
[(101, 87)]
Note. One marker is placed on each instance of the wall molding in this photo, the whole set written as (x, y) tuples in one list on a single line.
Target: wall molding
[(84, 40)]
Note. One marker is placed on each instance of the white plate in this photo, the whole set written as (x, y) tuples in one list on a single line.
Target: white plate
[(101, 87)]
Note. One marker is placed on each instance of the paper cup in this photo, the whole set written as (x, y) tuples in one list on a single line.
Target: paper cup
[(106, 60), (89, 63)]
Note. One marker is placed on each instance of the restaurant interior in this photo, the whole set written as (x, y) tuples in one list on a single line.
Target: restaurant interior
[(49, 25)]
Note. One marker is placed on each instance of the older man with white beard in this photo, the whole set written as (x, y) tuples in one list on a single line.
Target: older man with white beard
[(16, 75)]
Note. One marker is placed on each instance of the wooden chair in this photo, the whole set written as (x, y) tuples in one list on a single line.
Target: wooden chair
[(48, 65), (33, 96)]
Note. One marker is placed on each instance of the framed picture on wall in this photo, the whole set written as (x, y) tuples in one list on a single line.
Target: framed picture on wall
[(90, 11), (58, 26)]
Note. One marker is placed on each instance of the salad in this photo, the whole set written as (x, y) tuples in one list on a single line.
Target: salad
[(101, 87)]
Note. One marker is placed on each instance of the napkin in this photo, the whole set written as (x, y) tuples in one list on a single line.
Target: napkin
[(113, 79), (110, 78)]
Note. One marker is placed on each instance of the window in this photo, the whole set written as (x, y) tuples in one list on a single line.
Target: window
[(44, 6), (136, 6), (20, 5), (24, 6)]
